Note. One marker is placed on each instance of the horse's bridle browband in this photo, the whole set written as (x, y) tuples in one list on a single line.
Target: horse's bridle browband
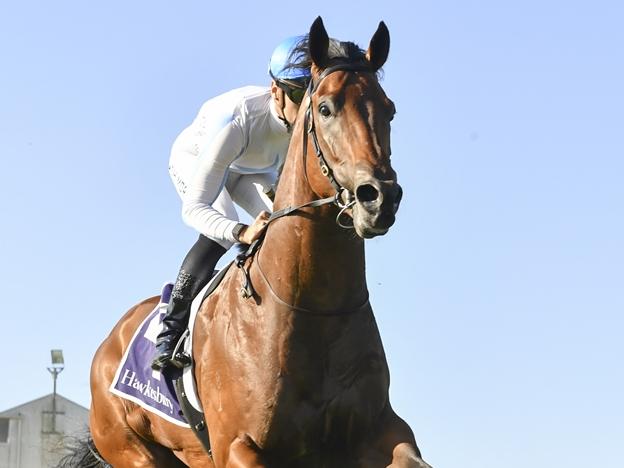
[(341, 192)]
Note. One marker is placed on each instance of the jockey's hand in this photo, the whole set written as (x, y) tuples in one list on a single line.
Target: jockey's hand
[(253, 232)]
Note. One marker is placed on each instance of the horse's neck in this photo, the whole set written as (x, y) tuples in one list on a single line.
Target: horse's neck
[(308, 259)]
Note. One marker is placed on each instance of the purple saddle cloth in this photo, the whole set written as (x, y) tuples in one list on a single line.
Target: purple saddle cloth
[(136, 381)]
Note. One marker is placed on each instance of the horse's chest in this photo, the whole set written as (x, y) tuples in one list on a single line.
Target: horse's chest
[(329, 398), (299, 387)]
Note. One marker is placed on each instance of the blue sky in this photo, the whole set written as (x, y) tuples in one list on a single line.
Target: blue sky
[(498, 292)]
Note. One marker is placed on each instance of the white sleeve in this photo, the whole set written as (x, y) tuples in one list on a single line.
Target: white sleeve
[(209, 180)]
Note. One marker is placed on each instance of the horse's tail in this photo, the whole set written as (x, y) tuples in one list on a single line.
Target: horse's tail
[(81, 453)]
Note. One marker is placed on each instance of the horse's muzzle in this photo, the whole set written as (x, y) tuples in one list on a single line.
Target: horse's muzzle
[(377, 203)]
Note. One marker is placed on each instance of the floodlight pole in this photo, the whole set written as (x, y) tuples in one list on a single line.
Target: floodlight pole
[(55, 370)]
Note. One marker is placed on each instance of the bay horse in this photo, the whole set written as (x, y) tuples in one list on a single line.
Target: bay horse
[(295, 375)]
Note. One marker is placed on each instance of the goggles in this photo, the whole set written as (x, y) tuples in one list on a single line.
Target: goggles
[(295, 94), (294, 89)]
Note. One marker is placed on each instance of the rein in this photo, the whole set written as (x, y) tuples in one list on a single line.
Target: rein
[(285, 304)]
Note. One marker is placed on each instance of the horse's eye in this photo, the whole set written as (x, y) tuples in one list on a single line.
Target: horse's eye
[(324, 110)]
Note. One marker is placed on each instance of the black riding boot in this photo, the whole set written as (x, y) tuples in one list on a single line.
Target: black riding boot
[(196, 271)]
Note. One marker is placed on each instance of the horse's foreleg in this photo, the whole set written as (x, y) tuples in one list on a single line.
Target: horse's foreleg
[(395, 447), (244, 453)]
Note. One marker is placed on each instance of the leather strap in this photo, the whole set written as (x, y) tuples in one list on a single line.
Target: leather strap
[(308, 123)]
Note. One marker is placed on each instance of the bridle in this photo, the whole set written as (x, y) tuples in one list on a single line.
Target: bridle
[(343, 198)]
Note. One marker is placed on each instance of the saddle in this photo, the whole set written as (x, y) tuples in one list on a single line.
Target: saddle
[(171, 394)]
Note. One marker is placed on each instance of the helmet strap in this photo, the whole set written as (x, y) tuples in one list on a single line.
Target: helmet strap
[(283, 116)]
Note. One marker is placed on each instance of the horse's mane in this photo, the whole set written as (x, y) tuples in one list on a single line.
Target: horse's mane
[(338, 51)]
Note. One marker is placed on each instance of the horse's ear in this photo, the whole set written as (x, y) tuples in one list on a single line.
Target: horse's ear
[(319, 43), (379, 47)]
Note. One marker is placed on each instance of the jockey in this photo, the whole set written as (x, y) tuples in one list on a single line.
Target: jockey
[(231, 153)]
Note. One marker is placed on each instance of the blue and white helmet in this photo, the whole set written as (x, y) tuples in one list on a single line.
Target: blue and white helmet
[(281, 58)]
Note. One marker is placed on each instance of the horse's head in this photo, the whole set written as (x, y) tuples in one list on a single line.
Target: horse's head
[(349, 117)]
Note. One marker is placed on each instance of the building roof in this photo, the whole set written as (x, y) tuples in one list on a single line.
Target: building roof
[(12, 412)]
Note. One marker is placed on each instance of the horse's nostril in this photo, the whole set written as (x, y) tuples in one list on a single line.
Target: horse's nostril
[(366, 193)]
